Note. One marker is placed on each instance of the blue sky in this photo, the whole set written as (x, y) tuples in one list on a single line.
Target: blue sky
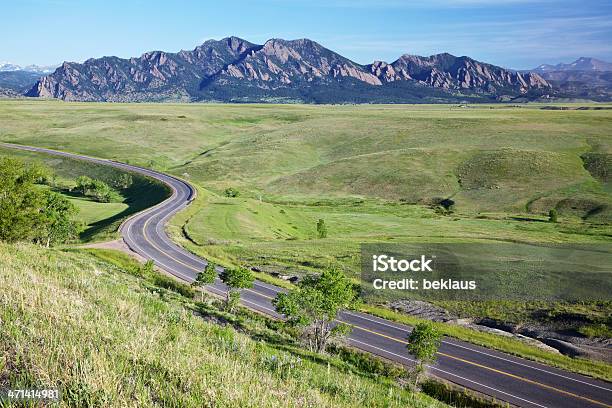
[(510, 33)]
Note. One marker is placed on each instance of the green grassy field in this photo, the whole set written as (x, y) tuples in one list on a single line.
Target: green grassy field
[(373, 173), (108, 338), (92, 212)]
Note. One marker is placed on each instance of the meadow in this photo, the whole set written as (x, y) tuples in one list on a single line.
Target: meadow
[(372, 173)]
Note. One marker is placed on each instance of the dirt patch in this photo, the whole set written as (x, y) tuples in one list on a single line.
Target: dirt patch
[(422, 310), (118, 245)]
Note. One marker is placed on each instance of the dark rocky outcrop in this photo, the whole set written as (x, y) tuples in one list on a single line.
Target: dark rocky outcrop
[(460, 73)]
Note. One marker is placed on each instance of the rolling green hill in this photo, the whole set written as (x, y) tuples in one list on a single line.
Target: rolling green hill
[(373, 173)]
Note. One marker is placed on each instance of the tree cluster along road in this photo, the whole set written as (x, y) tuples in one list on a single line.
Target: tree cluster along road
[(508, 378)]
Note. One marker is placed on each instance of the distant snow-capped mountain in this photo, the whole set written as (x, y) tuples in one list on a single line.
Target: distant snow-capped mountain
[(44, 69), (581, 64), (7, 66), (585, 78)]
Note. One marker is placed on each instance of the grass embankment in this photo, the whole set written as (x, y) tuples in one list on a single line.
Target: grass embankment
[(100, 219), (108, 338), (261, 327), (595, 369)]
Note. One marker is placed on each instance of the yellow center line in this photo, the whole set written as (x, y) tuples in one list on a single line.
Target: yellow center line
[(144, 229), (403, 341), (529, 381), (471, 362)]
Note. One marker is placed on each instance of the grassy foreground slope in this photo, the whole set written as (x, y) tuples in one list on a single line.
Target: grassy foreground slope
[(108, 339)]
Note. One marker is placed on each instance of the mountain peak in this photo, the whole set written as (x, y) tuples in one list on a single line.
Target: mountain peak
[(233, 43), (281, 63), (300, 43)]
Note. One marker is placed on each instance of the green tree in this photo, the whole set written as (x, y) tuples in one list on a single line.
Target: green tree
[(29, 212), (423, 343), (83, 184), (315, 304), (100, 191), (235, 279), (233, 299), (321, 228), (57, 224), (552, 215), (206, 277), (20, 199), (124, 181), (97, 189)]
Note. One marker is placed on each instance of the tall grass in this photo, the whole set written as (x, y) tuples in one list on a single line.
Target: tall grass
[(108, 339)]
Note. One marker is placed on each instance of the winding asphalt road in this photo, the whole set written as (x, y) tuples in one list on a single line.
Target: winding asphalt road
[(518, 381)]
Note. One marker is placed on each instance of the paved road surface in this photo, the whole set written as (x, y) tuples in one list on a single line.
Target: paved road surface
[(508, 378)]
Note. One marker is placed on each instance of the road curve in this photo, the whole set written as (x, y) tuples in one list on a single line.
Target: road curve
[(508, 378)]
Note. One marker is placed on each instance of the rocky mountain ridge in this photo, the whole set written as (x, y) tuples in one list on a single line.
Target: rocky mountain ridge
[(449, 72), (233, 69)]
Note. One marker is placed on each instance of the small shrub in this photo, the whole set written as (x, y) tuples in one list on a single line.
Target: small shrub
[(601, 330), (321, 229), (231, 192), (169, 283), (445, 207), (457, 397), (447, 204), (552, 215)]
